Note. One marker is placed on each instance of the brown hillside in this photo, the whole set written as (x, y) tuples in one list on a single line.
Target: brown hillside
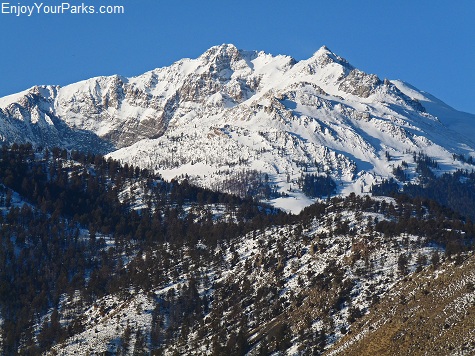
[(429, 313)]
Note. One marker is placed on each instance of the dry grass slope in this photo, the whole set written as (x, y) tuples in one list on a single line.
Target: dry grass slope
[(429, 313)]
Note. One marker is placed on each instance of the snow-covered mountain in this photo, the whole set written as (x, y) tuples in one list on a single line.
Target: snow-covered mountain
[(230, 111)]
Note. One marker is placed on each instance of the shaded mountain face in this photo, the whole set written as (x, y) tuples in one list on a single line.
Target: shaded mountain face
[(230, 112)]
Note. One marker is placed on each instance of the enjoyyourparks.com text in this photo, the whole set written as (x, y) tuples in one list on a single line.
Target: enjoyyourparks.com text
[(40, 8)]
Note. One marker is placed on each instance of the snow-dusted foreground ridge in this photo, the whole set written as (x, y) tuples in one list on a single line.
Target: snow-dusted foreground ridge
[(232, 111)]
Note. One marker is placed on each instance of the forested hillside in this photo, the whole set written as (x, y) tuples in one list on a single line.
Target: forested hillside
[(102, 258), (71, 223)]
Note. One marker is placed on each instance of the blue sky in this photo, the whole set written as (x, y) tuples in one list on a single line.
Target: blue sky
[(430, 44)]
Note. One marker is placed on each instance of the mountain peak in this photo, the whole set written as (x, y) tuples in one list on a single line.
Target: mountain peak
[(325, 56), (321, 51), (223, 50)]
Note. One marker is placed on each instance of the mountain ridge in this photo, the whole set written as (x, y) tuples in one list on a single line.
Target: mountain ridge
[(230, 111)]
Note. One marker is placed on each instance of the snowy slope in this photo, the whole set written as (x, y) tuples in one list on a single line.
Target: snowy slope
[(288, 258), (461, 122), (231, 111), (319, 115)]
